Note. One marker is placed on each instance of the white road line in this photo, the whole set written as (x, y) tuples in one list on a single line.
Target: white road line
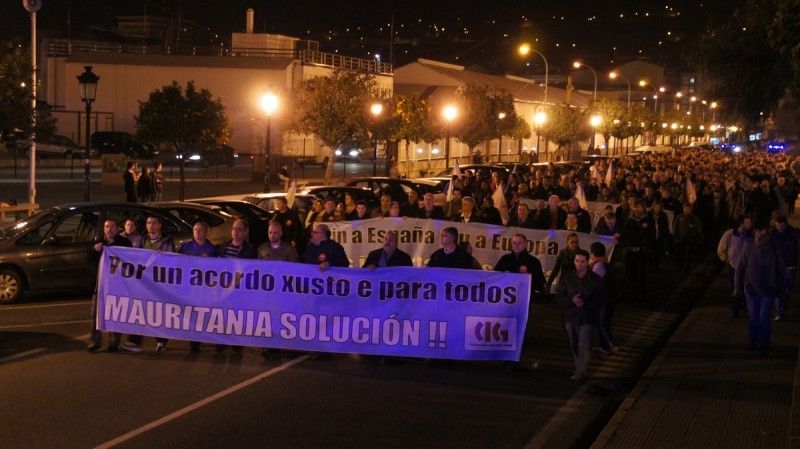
[(201, 403), (52, 323), (39, 306), (22, 354)]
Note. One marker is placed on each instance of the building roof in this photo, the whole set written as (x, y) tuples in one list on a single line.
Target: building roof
[(182, 60), (429, 73)]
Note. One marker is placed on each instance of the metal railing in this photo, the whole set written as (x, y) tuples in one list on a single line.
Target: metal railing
[(305, 51)]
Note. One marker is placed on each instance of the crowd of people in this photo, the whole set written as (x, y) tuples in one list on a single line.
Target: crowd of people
[(659, 206), (144, 186)]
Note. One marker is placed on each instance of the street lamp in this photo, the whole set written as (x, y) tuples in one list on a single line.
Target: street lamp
[(376, 109), (538, 119), (88, 82), (524, 50), (692, 100), (32, 6), (449, 112), (269, 103), (615, 75), (594, 121), (579, 65), (645, 83), (676, 104)]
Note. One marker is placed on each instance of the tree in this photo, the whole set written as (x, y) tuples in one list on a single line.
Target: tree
[(504, 116), (742, 68), (411, 121), (186, 118), (475, 123), (566, 126), (610, 110), (336, 108), (16, 113), (785, 39)]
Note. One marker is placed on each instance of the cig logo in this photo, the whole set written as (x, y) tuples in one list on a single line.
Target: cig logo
[(490, 333)]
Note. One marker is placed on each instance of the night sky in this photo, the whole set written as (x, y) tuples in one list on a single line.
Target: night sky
[(483, 33)]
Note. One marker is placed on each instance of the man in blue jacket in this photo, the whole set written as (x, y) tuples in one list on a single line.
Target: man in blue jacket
[(786, 239)]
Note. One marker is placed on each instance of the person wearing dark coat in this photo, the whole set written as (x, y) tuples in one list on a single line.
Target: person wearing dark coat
[(388, 255), (563, 258), (786, 239), (583, 216), (761, 203), (519, 260), (323, 251), (429, 210), (637, 241), (580, 292), (450, 255), (110, 238), (490, 214), (146, 186), (522, 217), (129, 178), (760, 274), (554, 216)]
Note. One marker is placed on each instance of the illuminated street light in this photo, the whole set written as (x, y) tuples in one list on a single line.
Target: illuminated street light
[(614, 75), (269, 104), (579, 65), (88, 81), (594, 121), (450, 113), (646, 83), (538, 119), (376, 110), (524, 50)]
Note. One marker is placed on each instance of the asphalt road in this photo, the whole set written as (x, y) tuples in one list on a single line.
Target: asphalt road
[(56, 394)]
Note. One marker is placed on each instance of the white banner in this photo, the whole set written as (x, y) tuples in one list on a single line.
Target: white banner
[(419, 237)]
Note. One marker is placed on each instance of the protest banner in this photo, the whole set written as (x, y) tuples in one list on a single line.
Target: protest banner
[(403, 311), (419, 237)]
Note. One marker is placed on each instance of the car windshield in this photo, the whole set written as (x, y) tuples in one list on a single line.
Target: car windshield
[(19, 227)]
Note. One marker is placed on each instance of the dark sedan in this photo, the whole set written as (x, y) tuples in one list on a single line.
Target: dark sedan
[(336, 193), (397, 189), (256, 217), (49, 250)]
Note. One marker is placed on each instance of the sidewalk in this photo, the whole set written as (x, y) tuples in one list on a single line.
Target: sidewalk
[(707, 390)]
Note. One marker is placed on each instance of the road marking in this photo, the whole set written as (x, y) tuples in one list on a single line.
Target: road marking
[(39, 306), (22, 354), (201, 403), (52, 323)]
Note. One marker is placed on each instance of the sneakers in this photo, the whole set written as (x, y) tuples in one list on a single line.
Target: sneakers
[(93, 347), (130, 346), (778, 317), (161, 346)]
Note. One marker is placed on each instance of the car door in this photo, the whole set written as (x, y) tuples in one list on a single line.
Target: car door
[(62, 257)]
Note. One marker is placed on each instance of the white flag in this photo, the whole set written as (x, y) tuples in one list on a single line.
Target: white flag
[(456, 175), (691, 193), (581, 196), (500, 203), (291, 193), (610, 173)]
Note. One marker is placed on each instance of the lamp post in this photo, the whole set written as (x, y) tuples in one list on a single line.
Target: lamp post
[(525, 50), (269, 103), (595, 121), (538, 119), (579, 65), (713, 107), (615, 75), (692, 100), (645, 83), (676, 103), (449, 113), (376, 109), (32, 6), (88, 81)]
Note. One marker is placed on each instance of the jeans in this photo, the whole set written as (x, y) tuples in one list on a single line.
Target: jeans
[(604, 326), (759, 320), (580, 343), (737, 302)]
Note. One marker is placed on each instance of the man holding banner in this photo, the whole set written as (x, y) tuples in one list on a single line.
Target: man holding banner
[(519, 260), (389, 255), (450, 255)]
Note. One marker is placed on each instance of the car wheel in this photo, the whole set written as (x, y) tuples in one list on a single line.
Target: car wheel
[(10, 286)]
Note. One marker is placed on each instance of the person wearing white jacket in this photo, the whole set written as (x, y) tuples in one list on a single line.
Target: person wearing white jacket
[(730, 249)]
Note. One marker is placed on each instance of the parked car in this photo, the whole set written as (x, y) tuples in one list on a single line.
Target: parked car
[(302, 202), (398, 189), (256, 217), (436, 185), (486, 168), (49, 250), (219, 222), (58, 147), (115, 142), (207, 157), (336, 193)]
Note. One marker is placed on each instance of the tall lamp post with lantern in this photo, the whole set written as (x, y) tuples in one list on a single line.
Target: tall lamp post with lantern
[(538, 119), (88, 81), (32, 6), (376, 110), (269, 103), (449, 112)]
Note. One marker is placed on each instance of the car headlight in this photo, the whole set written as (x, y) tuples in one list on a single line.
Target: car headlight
[(338, 152), (353, 153), (194, 157)]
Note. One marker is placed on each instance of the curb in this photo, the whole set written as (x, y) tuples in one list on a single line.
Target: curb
[(591, 413)]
